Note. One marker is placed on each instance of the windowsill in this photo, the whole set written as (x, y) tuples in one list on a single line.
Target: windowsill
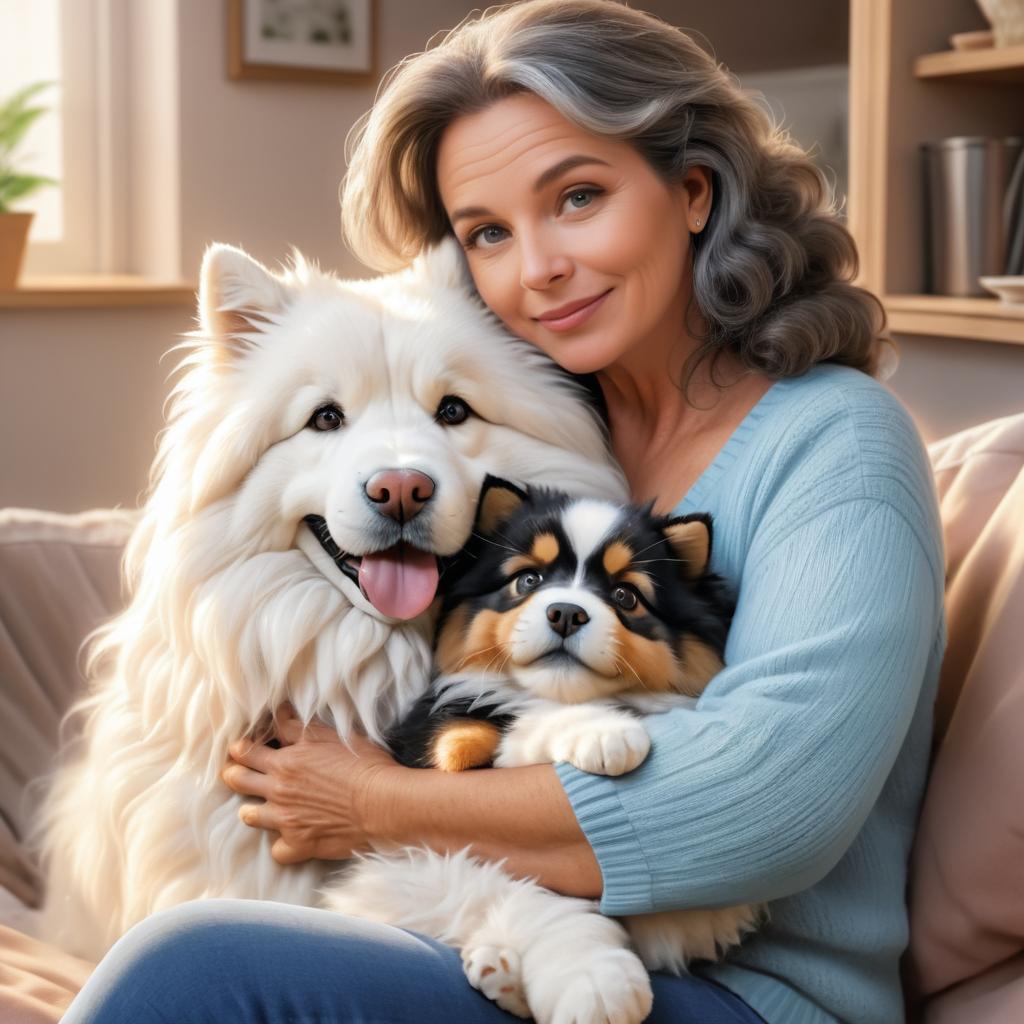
[(96, 291)]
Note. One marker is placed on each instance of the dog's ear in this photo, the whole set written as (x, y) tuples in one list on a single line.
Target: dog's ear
[(443, 266), (690, 539), (498, 501), (237, 296)]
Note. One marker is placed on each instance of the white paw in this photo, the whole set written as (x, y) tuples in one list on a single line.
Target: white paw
[(614, 990), (604, 748), (498, 975)]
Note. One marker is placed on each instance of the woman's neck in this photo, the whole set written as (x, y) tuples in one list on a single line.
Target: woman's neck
[(664, 436)]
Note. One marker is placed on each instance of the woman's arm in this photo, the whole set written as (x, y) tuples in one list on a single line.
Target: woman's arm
[(328, 801)]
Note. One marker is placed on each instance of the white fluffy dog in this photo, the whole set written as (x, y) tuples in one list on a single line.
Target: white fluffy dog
[(326, 441)]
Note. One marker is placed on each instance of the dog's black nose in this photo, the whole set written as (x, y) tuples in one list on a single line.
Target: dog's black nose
[(566, 619), (400, 493)]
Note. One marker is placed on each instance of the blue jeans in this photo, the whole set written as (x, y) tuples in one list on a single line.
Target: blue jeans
[(248, 962)]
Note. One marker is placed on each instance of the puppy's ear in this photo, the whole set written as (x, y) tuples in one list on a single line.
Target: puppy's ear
[(498, 501), (443, 266), (690, 539), (237, 296)]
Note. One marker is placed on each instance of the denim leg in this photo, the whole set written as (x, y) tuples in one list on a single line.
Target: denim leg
[(251, 962)]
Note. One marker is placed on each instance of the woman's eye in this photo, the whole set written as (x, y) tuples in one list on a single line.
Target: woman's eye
[(486, 237), (625, 598), (528, 581), (580, 198), (452, 411), (327, 417)]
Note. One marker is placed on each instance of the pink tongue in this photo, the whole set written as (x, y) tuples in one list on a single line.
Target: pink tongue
[(400, 582)]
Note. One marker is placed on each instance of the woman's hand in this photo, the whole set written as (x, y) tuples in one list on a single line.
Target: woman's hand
[(315, 789)]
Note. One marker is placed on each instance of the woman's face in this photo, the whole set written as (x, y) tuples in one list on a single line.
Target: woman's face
[(553, 219)]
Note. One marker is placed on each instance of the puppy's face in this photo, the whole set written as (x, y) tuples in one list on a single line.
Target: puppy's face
[(577, 599)]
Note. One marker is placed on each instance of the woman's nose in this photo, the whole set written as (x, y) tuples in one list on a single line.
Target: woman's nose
[(542, 264)]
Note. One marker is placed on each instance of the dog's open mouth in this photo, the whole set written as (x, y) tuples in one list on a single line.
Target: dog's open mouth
[(400, 582)]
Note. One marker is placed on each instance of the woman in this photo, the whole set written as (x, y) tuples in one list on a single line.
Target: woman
[(623, 206)]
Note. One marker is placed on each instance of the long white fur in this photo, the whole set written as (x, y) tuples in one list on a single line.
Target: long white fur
[(236, 608)]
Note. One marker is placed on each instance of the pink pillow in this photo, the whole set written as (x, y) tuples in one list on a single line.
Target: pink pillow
[(967, 872)]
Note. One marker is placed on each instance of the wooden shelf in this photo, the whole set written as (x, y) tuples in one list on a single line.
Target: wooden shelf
[(96, 292), (946, 317), (995, 64)]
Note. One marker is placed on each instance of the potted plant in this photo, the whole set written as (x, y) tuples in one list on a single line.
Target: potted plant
[(16, 117)]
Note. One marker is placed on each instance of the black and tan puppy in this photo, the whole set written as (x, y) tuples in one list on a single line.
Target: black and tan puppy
[(562, 619)]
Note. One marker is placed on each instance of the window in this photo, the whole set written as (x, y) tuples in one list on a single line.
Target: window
[(75, 44)]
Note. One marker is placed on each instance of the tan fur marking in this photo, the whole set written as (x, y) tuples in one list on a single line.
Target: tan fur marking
[(480, 650), (700, 665), (517, 564), (545, 548), (651, 661), (497, 505), (692, 543), (451, 642), (465, 744), (617, 557), (641, 581)]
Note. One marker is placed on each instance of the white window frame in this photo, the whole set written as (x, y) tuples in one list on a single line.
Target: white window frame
[(94, 123)]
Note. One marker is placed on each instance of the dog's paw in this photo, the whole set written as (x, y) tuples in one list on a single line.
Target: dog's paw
[(497, 973), (614, 990), (611, 747)]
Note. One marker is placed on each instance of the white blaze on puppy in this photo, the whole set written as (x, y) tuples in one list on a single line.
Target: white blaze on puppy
[(588, 524)]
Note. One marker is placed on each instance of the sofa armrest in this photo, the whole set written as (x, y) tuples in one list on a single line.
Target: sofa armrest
[(59, 579)]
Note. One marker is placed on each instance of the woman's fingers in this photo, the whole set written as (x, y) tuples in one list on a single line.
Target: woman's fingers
[(246, 781), (252, 755), (283, 853), (260, 816)]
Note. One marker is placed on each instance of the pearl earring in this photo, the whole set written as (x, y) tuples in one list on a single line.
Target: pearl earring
[(698, 222)]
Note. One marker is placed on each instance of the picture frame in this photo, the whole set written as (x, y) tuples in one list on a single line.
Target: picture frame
[(326, 41)]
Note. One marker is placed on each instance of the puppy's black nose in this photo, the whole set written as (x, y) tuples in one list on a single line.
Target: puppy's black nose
[(566, 619)]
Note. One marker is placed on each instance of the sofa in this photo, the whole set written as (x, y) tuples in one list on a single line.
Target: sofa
[(59, 578)]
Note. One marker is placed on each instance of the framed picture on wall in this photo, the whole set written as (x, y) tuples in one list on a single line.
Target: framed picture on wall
[(302, 40)]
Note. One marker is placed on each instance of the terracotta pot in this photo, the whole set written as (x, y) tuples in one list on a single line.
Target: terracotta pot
[(13, 238)]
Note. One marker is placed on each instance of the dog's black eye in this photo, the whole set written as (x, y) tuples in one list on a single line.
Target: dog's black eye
[(625, 598), (452, 411), (327, 417), (528, 581)]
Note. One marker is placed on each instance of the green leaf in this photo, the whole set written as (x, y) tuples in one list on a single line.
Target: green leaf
[(19, 186), (14, 104), (13, 131)]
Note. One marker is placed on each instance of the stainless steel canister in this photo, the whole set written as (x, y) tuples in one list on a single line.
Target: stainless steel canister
[(966, 209)]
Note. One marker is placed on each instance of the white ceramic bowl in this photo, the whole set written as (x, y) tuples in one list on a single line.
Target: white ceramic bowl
[(1009, 289)]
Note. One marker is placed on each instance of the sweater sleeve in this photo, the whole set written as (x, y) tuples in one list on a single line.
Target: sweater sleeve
[(757, 792)]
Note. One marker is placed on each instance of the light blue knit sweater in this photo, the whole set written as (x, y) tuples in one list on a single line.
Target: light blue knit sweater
[(798, 776)]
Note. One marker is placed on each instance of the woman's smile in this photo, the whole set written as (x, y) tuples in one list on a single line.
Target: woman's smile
[(572, 314)]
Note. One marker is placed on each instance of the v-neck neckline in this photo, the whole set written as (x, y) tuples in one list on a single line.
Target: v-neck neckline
[(695, 499)]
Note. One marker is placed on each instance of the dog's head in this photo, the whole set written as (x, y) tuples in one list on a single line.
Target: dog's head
[(357, 420), (581, 598)]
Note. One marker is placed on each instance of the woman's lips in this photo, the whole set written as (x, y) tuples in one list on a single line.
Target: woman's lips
[(576, 317)]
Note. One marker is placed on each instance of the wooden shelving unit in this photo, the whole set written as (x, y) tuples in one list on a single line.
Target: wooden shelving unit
[(1005, 65), (906, 89), (946, 317)]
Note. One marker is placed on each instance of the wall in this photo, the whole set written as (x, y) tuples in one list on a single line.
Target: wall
[(81, 391)]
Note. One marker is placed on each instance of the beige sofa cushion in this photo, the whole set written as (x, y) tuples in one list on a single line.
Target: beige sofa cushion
[(59, 578), (967, 874)]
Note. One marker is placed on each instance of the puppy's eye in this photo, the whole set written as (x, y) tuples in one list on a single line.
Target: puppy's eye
[(327, 417), (527, 581), (452, 411), (625, 598)]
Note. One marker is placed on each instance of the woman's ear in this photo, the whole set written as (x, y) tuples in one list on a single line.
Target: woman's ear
[(699, 193)]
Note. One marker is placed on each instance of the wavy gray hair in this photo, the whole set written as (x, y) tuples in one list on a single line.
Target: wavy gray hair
[(773, 268)]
